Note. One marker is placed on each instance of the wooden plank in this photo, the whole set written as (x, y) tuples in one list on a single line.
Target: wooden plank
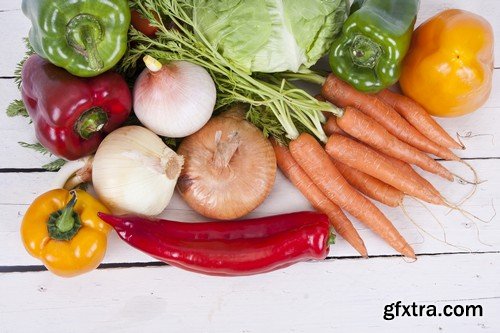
[(337, 295), (13, 29), (460, 231), (13, 17), (10, 5)]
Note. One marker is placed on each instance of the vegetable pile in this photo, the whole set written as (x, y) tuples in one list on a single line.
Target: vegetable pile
[(199, 95)]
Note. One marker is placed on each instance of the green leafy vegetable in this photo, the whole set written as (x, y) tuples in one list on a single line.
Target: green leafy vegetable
[(264, 120), (187, 42), (271, 35)]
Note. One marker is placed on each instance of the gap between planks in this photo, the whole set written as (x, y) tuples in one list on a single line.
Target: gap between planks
[(41, 268), (41, 170)]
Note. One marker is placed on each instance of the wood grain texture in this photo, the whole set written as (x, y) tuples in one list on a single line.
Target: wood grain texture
[(342, 295), (332, 296)]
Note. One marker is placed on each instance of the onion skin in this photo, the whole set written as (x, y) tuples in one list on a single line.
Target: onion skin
[(176, 101), (232, 191), (135, 172)]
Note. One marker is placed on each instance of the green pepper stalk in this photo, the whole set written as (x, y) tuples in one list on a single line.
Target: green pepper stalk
[(374, 41)]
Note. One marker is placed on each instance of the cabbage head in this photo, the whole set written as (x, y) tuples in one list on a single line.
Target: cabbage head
[(270, 35)]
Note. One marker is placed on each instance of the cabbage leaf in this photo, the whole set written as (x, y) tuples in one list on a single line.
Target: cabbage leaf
[(270, 35)]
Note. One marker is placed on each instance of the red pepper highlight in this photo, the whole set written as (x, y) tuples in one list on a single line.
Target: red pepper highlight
[(72, 115), (231, 248)]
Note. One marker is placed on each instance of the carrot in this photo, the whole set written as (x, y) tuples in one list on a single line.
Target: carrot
[(318, 166), (369, 161), (419, 118), (370, 186), (406, 168), (342, 94), (313, 194), (367, 130), (331, 127)]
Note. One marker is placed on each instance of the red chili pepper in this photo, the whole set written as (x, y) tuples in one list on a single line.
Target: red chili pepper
[(229, 248), (72, 115)]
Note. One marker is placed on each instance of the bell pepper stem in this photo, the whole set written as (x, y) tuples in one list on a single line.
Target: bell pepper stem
[(90, 122), (64, 224), (83, 34), (365, 52)]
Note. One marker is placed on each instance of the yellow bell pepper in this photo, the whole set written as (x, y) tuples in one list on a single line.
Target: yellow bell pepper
[(449, 66), (62, 229)]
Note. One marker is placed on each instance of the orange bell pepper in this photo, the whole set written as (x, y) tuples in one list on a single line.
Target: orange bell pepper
[(62, 229), (449, 66)]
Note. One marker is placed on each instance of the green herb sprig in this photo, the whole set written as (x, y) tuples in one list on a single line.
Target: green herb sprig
[(16, 108), (20, 64), (55, 165), (289, 105)]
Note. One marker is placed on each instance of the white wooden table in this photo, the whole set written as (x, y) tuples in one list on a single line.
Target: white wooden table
[(345, 293)]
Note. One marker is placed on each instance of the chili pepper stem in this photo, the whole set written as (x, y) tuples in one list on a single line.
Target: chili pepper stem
[(64, 223), (90, 122), (83, 33)]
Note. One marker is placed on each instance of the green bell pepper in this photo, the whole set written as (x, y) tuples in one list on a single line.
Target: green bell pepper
[(85, 37), (374, 41)]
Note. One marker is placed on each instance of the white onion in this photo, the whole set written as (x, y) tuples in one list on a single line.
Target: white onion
[(174, 100), (135, 172)]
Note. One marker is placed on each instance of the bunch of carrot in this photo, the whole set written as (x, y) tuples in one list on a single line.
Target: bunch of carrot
[(370, 150)]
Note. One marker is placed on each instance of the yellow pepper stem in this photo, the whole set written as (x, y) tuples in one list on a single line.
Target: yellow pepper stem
[(64, 223)]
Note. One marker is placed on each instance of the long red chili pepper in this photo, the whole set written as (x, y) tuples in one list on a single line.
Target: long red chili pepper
[(229, 248)]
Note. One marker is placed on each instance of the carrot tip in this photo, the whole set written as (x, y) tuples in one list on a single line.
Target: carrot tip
[(359, 246), (408, 252), (363, 252)]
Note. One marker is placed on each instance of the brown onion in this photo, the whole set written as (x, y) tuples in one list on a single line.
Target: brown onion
[(229, 167)]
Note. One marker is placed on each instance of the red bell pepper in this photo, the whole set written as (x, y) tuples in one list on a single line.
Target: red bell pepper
[(229, 248), (72, 115)]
